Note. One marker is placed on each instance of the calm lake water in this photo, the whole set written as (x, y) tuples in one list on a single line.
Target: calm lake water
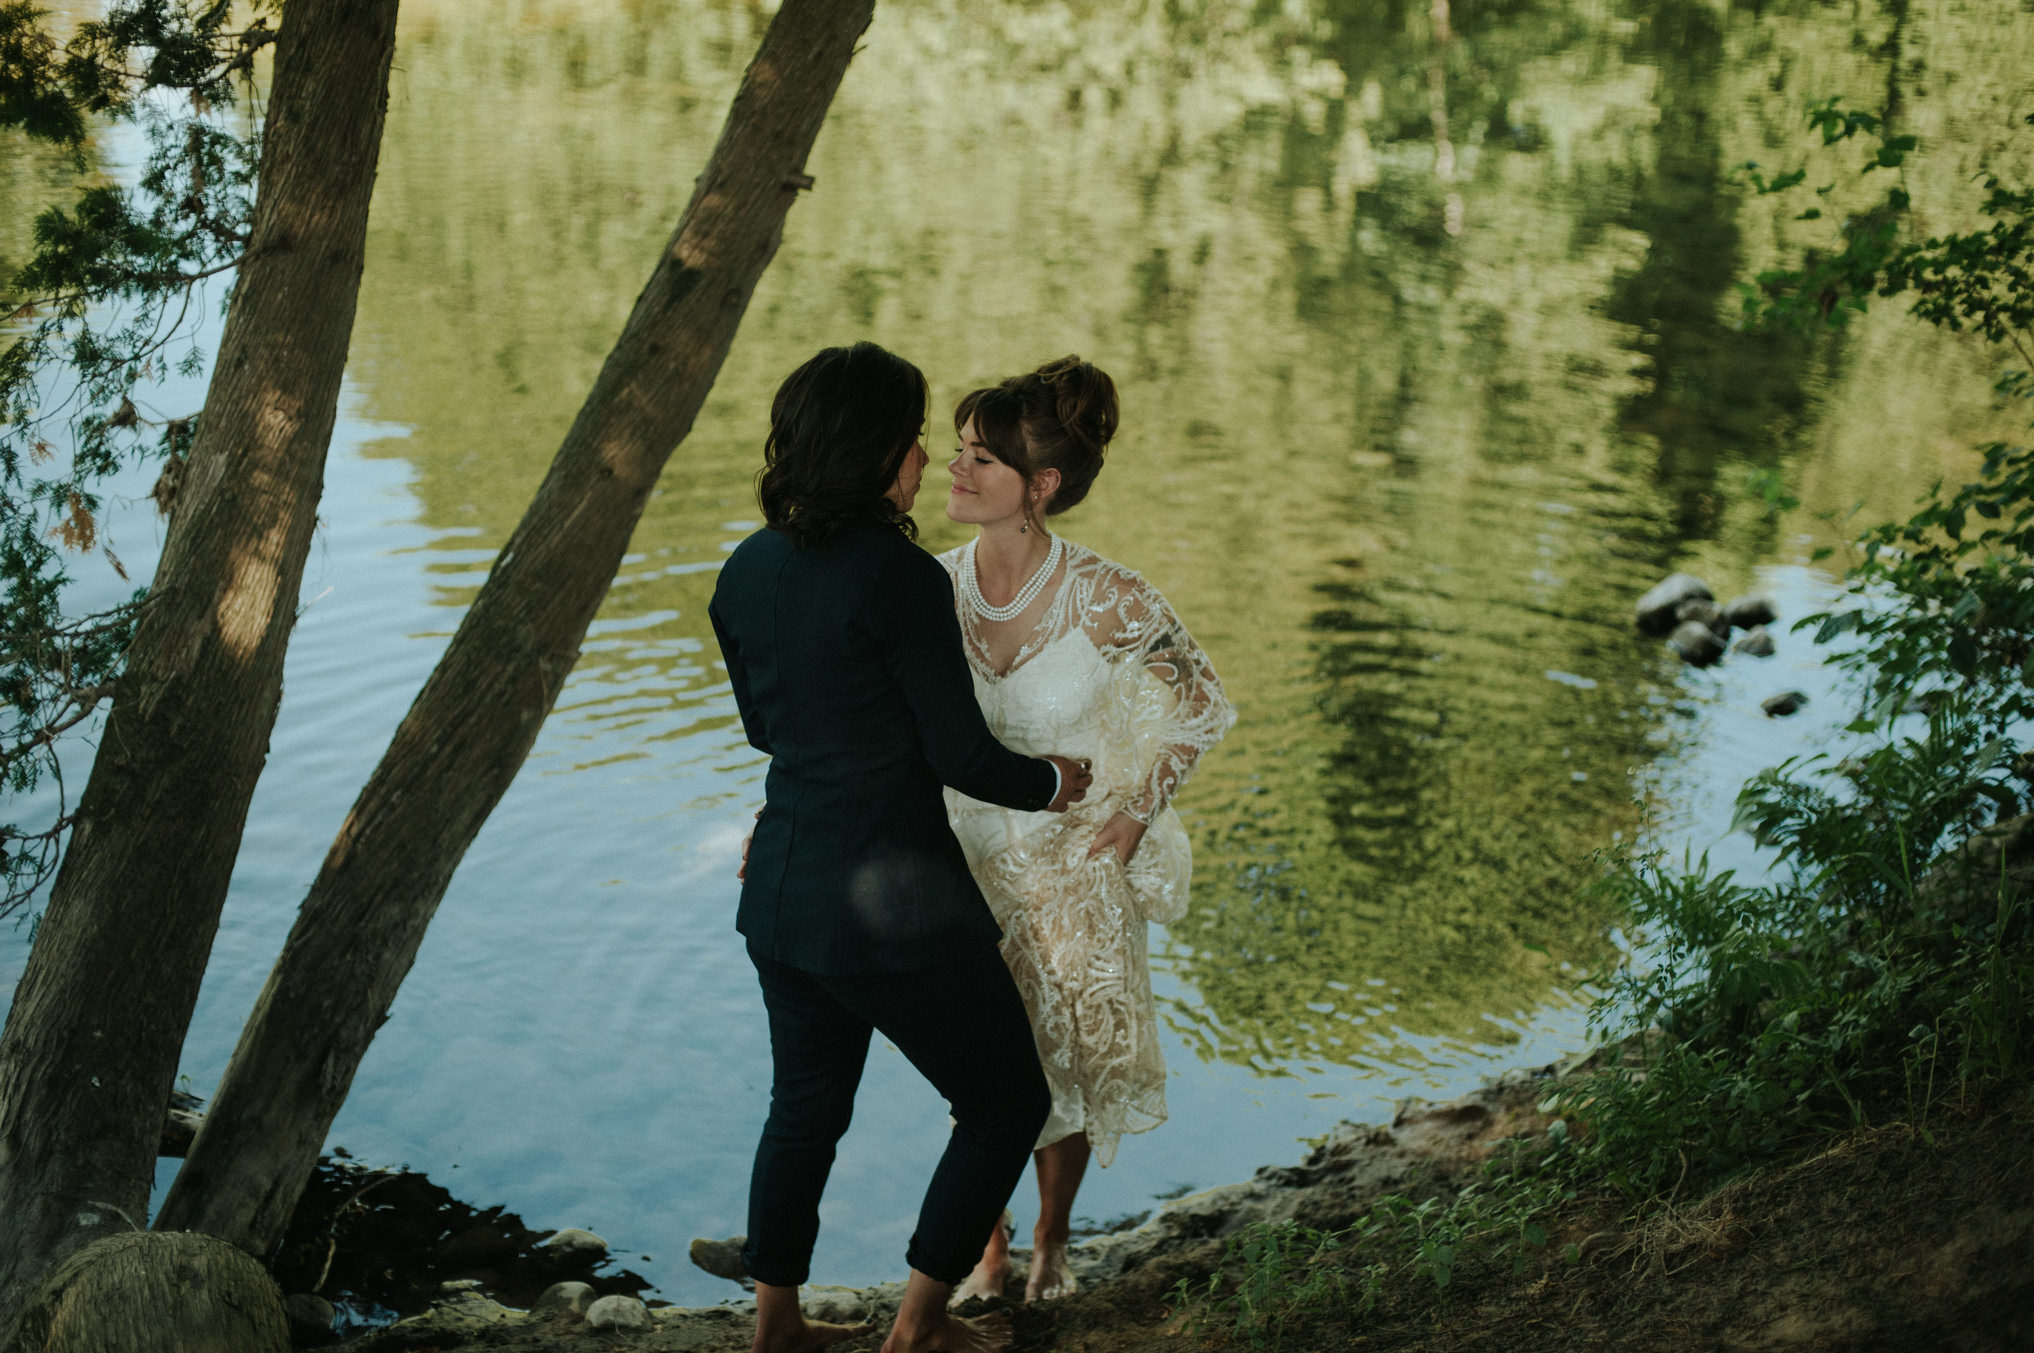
[(1423, 336)]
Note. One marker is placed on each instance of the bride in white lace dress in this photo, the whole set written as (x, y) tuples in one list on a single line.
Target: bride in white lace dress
[(1075, 654)]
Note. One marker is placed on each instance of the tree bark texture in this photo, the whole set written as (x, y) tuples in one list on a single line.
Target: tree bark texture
[(463, 740), (157, 1292), (89, 1054)]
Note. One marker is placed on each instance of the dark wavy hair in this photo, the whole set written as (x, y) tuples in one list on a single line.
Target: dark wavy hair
[(840, 427), (1059, 417)]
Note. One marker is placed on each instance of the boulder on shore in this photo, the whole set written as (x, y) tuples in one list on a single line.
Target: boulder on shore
[(618, 1313), (567, 1299), (1696, 643), (1654, 613)]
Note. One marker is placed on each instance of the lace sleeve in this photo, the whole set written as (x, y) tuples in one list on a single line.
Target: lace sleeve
[(1132, 624)]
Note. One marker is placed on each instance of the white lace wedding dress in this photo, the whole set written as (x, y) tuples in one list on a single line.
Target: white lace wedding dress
[(1108, 673)]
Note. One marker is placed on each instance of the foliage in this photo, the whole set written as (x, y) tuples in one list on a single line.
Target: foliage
[(1872, 977), (1887, 959), (102, 311), (1889, 955), (1980, 280), (1962, 570), (1273, 1273), (1284, 1269)]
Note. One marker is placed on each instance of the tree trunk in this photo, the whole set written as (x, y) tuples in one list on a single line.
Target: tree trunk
[(89, 1054), (155, 1292), (474, 721)]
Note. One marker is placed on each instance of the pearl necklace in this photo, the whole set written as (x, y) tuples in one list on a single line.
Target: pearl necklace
[(971, 587)]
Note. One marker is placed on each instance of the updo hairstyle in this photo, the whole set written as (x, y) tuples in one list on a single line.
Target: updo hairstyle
[(840, 428), (1059, 417)]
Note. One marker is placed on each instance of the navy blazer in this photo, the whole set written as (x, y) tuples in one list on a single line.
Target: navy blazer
[(846, 663)]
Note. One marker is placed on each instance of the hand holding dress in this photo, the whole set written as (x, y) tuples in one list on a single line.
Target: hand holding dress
[(1109, 673)]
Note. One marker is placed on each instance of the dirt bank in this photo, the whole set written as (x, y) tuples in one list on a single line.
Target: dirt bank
[(1895, 1239)]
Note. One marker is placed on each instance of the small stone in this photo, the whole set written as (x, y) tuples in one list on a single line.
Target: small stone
[(1757, 644), (460, 1285), (1696, 643), (834, 1305), (1703, 613), (1747, 612), (618, 1313), (467, 1308), (575, 1245), (1417, 1113), (310, 1317), (569, 1299), (721, 1258), (1654, 613), (1780, 706)]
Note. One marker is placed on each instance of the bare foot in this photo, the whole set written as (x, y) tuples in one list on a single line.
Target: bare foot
[(986, 1281), (989, 1333), (1051, 1276), (992, 1271), (806, 1336)]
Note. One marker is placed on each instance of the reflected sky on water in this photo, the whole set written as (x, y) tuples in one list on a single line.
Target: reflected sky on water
[(1424, 340)]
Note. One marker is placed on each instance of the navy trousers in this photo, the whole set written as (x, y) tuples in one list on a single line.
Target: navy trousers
[(963, 1026)]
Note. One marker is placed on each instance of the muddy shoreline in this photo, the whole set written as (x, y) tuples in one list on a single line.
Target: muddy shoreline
[(1425, 1145), (1897, 1237)]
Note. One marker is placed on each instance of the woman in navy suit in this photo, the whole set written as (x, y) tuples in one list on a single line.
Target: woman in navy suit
[(859, 911)]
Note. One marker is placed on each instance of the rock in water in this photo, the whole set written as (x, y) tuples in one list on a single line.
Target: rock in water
[(721, 1258), (1696, 643), (1780, 706), (576, 1245), (1746, 612), (157, 1292), (618, 1313), (1654, 613), (570, 1299), (1703, 613), (1757, 644)]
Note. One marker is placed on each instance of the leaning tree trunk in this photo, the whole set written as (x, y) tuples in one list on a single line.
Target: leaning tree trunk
[(476, 717), (90, 1050)]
